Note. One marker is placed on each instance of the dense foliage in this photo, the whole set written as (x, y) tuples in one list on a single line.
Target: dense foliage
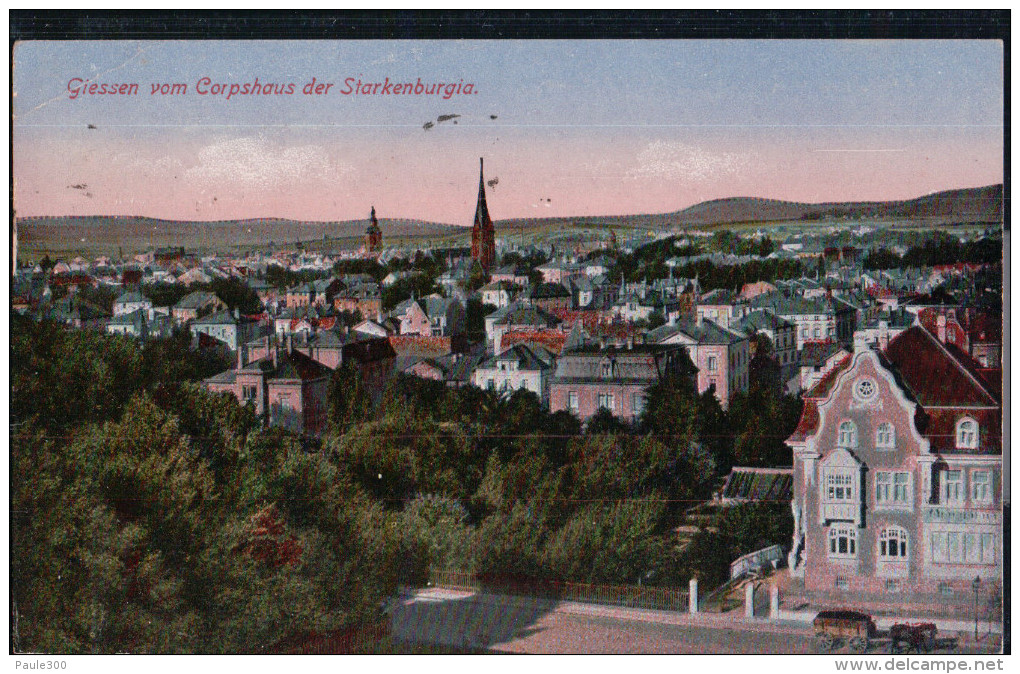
[(936, 249), (151, 516)]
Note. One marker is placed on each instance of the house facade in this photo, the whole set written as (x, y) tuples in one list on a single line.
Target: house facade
[(520, 367), (232, 329), (130, 302), (721, 356), (285, 388), (897, 480), (195, 304), (590, 378)]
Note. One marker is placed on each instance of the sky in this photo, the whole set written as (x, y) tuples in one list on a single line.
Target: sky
[(567, 128)]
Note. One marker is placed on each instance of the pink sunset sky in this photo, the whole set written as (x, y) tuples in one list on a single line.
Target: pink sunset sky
[(567, 128)]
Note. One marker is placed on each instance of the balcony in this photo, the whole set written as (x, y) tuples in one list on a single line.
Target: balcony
[(841, 512)]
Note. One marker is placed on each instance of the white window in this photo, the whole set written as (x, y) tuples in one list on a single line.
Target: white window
[(713, 364), (971, 548), (967, 434), (840, 486), (988, 548), (892, 543), (981, 486), (637, 403), (818, 333), (572, 401), (885, 436), (901, 488), (606, 400), (952, 487), (883, 487), (956, 547), (847, 434), (843, 542)]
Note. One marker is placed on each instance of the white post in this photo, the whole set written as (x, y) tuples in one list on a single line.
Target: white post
[(749, 600), (692, 597), (774, 602)]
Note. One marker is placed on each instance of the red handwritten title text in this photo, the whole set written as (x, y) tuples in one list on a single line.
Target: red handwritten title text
[(206, 86)]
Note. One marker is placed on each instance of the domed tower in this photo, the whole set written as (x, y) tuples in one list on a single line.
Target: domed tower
[(373, 235), (483, 234)]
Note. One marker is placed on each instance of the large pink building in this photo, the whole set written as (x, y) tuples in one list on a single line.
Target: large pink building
[(590, 378), (898, 480), (721, 355)]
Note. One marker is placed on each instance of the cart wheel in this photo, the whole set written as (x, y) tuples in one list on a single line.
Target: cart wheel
[(858, 644), (823, 642)]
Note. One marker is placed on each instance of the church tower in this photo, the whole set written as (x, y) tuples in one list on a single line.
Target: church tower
[(373, 235), (483, 234)]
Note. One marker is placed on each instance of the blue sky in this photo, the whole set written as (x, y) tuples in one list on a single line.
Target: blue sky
[(606, 127)]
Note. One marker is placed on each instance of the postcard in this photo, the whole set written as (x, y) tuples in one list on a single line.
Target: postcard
[(508, 346)]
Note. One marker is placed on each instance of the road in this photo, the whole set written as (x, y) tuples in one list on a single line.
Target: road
[(505, 624), (524, 625)]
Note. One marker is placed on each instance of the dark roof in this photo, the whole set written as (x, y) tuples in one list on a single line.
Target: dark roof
[(817, 353), (759, 484), (524, 355), (526, 315), (703, 332), (547, 291), (296, 365), (932, 374), (763, 320)]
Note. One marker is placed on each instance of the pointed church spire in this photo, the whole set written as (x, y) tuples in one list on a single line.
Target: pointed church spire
[(483, 234), (482, 209)]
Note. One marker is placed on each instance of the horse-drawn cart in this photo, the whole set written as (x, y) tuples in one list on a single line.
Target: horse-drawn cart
[(833, 627)]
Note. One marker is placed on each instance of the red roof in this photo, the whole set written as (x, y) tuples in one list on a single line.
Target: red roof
[(825, 384), (940, 378), (589, 319), (71, 280), (932, 374), (417, 345), (808, 422), (981, 327), (552, 340)]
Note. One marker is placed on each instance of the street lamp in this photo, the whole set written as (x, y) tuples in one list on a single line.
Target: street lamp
[(976, 585)]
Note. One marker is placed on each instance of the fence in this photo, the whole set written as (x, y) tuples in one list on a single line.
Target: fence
[(756, 560), (634, 596), (341, 642)]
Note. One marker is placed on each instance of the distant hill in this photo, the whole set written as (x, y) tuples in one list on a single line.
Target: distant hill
[(108, 233), (977, 204), (66, 234)]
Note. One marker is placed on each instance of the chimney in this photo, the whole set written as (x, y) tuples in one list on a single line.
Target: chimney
[(940, 323), (860, 341), (290, 342), (883, 335), (275, 350), (240, 356)]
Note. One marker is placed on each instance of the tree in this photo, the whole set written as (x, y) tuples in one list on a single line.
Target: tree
[(439, 525), (347, 400), (603, 422)]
